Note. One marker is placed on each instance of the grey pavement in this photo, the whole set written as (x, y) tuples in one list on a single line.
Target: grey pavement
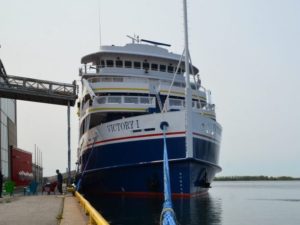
[(30, 210)]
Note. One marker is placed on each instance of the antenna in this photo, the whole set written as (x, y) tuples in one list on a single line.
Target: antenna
[(188, 92), (134, 38), (99, 13), (155, 43)]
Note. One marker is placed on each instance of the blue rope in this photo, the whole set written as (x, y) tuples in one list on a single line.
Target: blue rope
[(85, 167), (167, 215)]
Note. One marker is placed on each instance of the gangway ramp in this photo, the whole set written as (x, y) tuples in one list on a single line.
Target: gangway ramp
[(35, 90), (29, 89)]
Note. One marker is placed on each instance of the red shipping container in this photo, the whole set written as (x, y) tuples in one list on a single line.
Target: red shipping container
[(21, 166)]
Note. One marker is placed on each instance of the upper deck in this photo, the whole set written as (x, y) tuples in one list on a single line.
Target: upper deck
[(132, 58), (136, 79)]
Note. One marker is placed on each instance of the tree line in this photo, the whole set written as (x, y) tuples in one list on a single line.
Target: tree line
[(254, 178)]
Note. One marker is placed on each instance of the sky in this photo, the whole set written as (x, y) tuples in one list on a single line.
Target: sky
[(247, 52)]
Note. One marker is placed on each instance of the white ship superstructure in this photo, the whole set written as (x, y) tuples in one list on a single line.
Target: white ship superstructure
[(127, 92)]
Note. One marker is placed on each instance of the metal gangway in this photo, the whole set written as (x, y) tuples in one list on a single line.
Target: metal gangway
[(35, 90), (29, 89)]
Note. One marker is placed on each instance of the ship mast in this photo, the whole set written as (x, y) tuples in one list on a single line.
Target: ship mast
[(188, 95)]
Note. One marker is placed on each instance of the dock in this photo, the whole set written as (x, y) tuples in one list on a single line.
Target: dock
[(43, 209)]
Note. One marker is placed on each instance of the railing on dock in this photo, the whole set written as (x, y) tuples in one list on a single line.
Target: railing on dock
[(94, 215), (29, 89)]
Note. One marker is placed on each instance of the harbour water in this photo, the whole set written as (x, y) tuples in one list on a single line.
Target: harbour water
[(228, 203)]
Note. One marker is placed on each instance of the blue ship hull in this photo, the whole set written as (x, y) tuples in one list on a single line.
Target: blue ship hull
[(135, 167)]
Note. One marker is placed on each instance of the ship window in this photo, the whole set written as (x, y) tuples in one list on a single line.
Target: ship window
[(170, 69), (118, 79), (119, 63), (114, 99), (203, 125), (177, 84), (106, 79), (179, 71), (102, 63), (92, 80), (96, 119), (137, 65), (154, 66), (144, 100), (194, 104), (145, 65), (162, 68), (109, 63), (175, 102), (131, 100), (82, 127), (101, 100), (128, 64)]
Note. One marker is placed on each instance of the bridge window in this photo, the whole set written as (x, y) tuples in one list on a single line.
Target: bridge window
[(146, 65), (102, 63), (170, 69), (128, 64), (109, 63), (154, 66), (137, 65), (162, 68), (119, 63)]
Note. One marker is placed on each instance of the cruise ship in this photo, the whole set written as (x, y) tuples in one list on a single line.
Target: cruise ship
[(128, 93)]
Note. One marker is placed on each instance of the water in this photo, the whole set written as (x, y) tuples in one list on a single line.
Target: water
[(228, 203)]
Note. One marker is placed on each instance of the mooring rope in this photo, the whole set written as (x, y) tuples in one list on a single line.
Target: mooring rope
[(167, 216), (85, 167)]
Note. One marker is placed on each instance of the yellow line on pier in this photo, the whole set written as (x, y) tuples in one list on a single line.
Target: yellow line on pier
[(94, 216)]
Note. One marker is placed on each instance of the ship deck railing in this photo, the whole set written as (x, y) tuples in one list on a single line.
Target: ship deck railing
[(141, 85), (128, 103), (119, 102)]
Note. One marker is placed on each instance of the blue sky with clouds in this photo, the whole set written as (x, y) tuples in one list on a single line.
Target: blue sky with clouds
[(247, 52)]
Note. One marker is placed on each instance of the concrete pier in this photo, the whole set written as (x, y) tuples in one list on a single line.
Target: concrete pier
[(72, 212), (41, 210)]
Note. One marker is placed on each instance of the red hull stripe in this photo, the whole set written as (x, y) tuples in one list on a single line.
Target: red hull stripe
[(151, 135), (138, 136)]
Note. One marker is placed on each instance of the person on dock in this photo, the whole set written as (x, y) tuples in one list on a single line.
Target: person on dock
[(59, 181), (1, 183)]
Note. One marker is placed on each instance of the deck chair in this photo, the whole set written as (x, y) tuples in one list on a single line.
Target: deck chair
[(9, 187)]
